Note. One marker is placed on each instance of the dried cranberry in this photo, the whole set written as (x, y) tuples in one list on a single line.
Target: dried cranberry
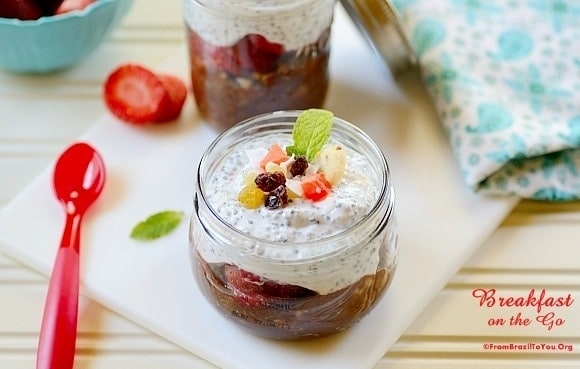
[(299, 166), (277, 198), (268, 181)]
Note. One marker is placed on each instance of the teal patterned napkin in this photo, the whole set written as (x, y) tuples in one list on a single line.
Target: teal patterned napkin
[(505, 79)]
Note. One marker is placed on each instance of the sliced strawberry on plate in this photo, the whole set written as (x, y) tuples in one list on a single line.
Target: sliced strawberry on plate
[(177, 91), (70, 5), (20, 9), (275, 155), (316, 187), (135, 94)]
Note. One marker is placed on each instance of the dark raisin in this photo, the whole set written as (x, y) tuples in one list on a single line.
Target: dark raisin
[(268, 181), (299, 166), (276, 198)]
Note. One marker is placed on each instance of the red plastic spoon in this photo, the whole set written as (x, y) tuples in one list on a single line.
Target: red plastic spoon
[(79, 176)]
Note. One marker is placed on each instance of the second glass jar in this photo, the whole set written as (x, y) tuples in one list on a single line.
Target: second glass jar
[(249, 57)]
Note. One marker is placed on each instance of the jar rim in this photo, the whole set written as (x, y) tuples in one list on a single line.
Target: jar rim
[(385, 193)]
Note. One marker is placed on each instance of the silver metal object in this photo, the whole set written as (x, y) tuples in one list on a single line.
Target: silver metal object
[(379, 23)]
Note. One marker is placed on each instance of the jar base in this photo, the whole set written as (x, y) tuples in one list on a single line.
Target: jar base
[(306, 316)]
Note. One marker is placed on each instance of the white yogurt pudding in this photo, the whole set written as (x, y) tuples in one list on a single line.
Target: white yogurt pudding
[(292, 23), (301, 221)]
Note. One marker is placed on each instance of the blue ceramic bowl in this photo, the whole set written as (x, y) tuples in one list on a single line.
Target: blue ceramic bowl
[(57, 42)]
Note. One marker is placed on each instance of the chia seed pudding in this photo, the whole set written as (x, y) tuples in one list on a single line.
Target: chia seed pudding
[(254, 56), (309, 266)]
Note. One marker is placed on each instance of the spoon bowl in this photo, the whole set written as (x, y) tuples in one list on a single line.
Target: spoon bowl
[(79, 178)]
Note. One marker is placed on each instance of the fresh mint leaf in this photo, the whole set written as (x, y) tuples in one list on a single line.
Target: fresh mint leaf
[(157, 225), (310, 133)]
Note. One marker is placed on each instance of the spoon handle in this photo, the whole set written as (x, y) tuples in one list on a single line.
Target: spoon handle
[(56, 346)]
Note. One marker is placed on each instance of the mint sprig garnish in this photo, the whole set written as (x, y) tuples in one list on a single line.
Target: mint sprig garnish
[(310, 133), (157, 225)]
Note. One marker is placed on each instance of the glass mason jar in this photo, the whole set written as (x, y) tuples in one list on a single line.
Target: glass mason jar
[(249, 57), (277, 274)]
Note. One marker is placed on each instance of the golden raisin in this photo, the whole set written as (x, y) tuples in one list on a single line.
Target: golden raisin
[(251, 197)]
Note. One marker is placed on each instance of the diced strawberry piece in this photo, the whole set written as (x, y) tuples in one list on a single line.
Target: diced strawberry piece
[(316, 187), (70, 5), (135, 94), (177, 91), (20, 9), (254, 290), (275, 155)]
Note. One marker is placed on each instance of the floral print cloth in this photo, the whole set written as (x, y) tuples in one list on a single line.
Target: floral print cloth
[(505, 79)]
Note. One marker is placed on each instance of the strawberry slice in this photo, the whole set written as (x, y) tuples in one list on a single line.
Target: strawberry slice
[(254, 290), (49, 7), (263, 54), (70, 5), (177, 91), (20, 9), (135, 94), (316, 187)]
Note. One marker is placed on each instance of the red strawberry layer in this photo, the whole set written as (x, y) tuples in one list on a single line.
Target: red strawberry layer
[(49, 7), (177, 95), (252, 53), (70, 5), (34, 9)]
